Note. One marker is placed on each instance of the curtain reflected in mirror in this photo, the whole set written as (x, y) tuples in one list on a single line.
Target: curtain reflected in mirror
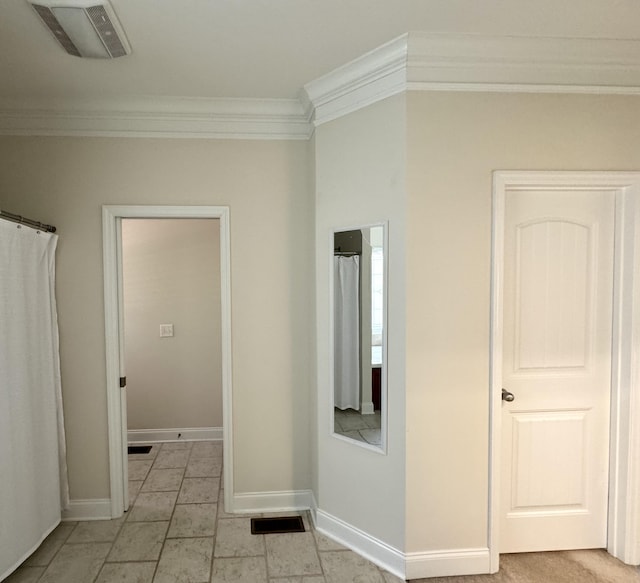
[(359, 316)]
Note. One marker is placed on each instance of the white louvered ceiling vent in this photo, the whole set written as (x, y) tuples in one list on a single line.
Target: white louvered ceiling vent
[(84, 28)]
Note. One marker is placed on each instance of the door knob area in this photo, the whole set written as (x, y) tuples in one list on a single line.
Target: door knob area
[(507, 396)]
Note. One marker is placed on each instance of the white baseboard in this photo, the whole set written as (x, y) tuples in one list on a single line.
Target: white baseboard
[(449, 563), (93, 509), (366, 408), (283, 501), (177, 434), (370, 548)]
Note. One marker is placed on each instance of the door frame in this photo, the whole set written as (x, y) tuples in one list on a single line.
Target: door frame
[(112, 216), (623, 533)]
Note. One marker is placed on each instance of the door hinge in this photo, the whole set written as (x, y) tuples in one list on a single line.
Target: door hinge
[(123, 382)]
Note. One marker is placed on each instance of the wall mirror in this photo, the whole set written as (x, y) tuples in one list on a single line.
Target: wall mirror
[(359, 339)]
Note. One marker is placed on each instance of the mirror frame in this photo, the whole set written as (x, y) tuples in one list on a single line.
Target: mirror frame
[(382, 448)]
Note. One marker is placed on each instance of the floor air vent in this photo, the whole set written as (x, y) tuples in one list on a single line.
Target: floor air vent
[(279, 525), (139, 449)]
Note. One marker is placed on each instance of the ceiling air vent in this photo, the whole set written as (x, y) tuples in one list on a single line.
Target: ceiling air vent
[(84, 28)]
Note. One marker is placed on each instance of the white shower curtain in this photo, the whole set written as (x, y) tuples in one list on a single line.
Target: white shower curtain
[(347, 332), (33, 478)]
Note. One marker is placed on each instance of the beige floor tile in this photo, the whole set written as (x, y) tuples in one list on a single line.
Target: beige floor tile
[(138, 469), (139, 541), (389, 578), (292, 554), (127, 573), (206, 449), (373, 421), (163, 480), (372, 436), (193, 520), (239, 570), (234, 539), (327, 544), (50, 546), (171, 459), (96, 531), (185, 560), (177, 445), (196, 490), (76, 563), (352, 434), (152, 506), (134, 488), (312, 579), (352, 422), (204, 467), (25, 575), (348, 567)]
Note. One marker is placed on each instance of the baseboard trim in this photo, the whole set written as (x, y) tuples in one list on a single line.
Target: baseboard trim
[(367, 408), (447, 563), (92, 509), (369, 547), (279, 501), (176, 434)]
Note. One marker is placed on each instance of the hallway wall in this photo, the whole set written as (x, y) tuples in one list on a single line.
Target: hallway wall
[(64, 181)]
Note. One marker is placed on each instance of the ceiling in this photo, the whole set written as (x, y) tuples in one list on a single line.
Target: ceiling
[(265, 48)]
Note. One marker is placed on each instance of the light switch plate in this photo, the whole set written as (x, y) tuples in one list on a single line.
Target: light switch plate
[(166, 330)]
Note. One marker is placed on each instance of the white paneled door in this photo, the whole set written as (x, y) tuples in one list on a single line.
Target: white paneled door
[(558, 286)]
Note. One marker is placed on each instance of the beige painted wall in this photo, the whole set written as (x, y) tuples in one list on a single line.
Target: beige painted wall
[(360, 180), (171, 275), (455, 142), (65, 181)]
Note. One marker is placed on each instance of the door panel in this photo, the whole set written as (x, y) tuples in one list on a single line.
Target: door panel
[(558, 284)]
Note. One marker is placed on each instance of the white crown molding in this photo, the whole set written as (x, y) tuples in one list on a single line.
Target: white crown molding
[(455, 62), (523, 61), (153, 117), (372, 77), (412, 62)]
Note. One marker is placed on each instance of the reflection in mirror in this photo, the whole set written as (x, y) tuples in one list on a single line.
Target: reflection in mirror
[(359, 315)]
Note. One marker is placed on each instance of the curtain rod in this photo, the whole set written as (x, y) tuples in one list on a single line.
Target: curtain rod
[(28, 222)]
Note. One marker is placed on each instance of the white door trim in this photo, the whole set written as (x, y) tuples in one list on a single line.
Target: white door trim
[(111, 215), (624, 470)]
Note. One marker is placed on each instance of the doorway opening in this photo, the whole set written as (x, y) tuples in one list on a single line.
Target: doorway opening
[(622, 514), (171, 302), (119, 222)]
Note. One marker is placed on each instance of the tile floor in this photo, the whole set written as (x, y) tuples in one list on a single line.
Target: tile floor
[(176, 531), (352, 424)]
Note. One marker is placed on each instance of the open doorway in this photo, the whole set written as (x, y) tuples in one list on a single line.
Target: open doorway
[(113, 218), (172, 336)]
